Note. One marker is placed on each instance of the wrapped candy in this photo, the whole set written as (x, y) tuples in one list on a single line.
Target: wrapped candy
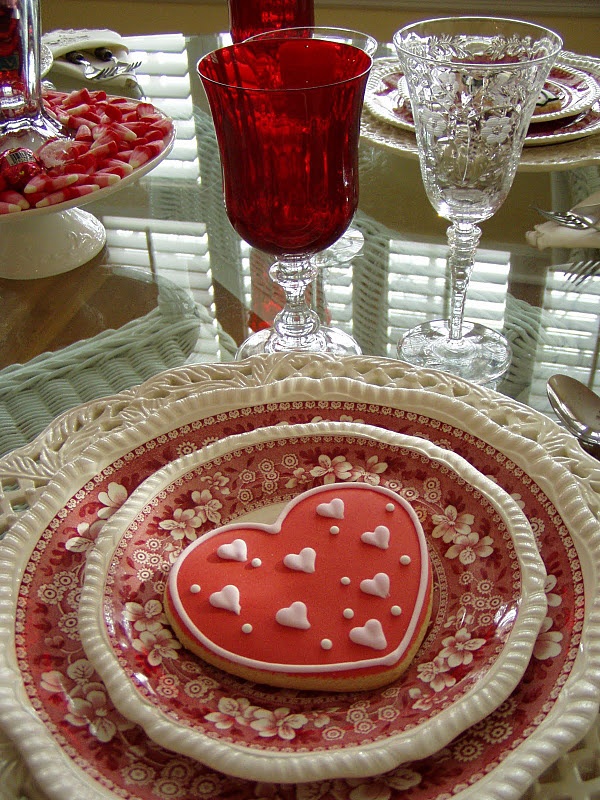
[(18, 166)]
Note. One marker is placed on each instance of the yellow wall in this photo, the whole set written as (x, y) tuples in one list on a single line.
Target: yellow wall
[(580, 34)]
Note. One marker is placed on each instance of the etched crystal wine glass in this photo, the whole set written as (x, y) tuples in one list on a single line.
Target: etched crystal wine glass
[(287, 118), (473, 83)]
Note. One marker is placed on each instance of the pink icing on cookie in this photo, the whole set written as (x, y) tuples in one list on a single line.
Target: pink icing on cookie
[(370, 635), (294, 616), (228, 598), (345, 590)]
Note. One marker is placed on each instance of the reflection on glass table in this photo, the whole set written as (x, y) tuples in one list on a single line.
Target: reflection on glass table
[(173, 225)]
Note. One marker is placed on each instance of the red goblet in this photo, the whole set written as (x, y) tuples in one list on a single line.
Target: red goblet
[(249, 17), (287, 119)]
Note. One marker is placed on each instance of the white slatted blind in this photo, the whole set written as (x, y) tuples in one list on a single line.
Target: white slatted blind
[(173, 248)]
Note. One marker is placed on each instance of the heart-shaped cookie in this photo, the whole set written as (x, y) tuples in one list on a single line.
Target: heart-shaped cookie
[(304, 603)]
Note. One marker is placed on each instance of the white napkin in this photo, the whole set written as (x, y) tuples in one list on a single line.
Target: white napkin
[(86, 41), (552, 234)]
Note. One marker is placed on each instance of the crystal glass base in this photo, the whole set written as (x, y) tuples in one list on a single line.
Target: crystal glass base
[(28, 131), (344, 250), (481, 356), (326, 340)]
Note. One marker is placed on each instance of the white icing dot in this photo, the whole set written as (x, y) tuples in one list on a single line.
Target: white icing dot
[(390, 507), (345, 581), (395, 611), (256, 562), (334, 529), (348, 613), (405, 560), (194, 588), (246, 628), (326, 644)]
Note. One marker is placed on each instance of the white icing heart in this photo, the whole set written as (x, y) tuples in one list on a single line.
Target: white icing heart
[(334, 509), (228, 598), (233, 551), (294, 616), (370, 635), (304, 561), (379, 585), (380, 537)]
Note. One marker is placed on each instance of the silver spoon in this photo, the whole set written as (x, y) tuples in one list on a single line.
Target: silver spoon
[(578, 408)]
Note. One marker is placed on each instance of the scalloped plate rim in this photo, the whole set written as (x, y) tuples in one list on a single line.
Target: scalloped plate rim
[(542, 747), (277, 767)]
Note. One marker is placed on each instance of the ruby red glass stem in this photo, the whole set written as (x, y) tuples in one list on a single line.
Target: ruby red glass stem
[(250, 17), (287, 118)]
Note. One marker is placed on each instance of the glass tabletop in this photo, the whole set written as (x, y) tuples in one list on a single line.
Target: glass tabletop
[(175, 284)]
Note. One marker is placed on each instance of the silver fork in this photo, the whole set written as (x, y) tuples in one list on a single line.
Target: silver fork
[(125, 67), (93, 73), (588, 217), (580, 271)]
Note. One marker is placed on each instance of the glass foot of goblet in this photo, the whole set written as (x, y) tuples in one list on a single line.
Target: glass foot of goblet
[(345, 249), (480, 356), (327, 340)]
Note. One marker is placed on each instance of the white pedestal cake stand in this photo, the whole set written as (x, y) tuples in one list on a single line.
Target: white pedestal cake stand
[(41, 242)]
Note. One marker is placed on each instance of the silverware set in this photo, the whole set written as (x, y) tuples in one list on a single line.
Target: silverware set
[(93, 72)]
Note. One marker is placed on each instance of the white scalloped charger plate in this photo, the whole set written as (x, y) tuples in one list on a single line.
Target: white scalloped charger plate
[(88, 453), (497, 625)]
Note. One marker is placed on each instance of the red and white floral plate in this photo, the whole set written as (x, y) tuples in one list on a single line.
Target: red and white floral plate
[(56, 710), (489, 605), (578, 89)]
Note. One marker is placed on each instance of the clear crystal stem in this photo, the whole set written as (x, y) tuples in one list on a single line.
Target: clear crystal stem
[(23, 118), (463, 238), (296, 325)]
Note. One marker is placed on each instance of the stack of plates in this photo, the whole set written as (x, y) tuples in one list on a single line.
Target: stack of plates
[(101, 703), (576, 88)]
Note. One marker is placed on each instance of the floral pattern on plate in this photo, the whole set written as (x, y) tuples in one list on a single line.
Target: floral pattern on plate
[(387, 99), (73, 704), (486, 571)]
